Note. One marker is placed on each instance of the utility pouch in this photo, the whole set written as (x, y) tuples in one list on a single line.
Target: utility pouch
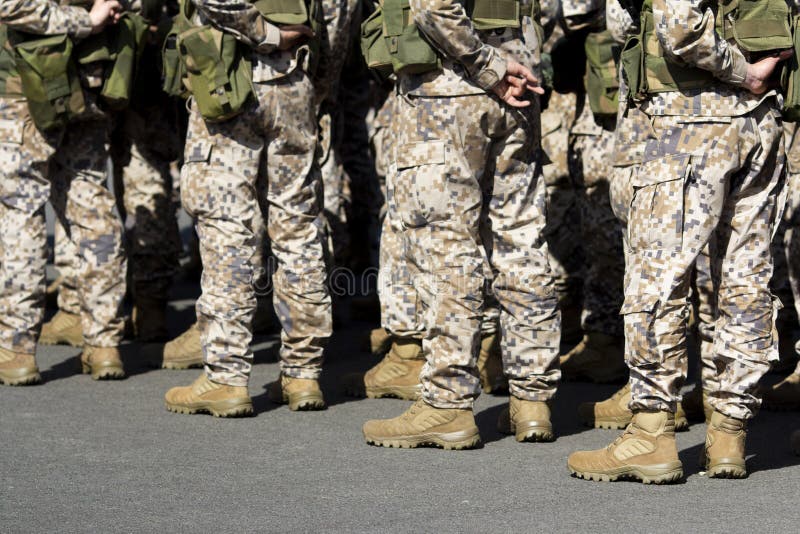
[(602, 81), (126, 42), (218, 74), (790, 77), (49, 79), (409, 51), (762, 25), (494, 14), (373, 45), (632, 59)]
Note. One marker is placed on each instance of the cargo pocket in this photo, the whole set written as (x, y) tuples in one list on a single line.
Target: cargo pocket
[(420, 188), (638, 313), (196, 156), (656, 216)]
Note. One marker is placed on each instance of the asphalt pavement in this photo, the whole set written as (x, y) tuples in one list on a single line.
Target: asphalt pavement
[(79, 455)]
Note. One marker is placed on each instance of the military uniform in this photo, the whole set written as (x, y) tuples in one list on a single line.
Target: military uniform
[(710, 175), (275, 134), (452, 140)]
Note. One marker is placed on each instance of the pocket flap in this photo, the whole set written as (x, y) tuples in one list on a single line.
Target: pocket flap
[(199, 152), (639, 304), (663, 169), (423, 153)]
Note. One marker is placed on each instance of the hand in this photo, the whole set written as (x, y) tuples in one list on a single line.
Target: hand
[(293, 34), (759, 74), (513, 85), (103, 12)]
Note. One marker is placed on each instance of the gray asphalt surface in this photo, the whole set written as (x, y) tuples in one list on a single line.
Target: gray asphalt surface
[(78, 455)]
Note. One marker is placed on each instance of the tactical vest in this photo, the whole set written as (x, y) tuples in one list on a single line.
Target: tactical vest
[(214, 67), (757, 27), (602, 74), (45, 68), (391, 41)]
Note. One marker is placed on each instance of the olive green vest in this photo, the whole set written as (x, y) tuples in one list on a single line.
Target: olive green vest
[(391, 41), (45, 68), (214, 67), (602, 73), (756, 26)]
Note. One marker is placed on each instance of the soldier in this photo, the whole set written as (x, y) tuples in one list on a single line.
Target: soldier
[(711, 172), (146, 139), (599, 355), (56, 151), (458, 128), (785, 395), (275, 130)]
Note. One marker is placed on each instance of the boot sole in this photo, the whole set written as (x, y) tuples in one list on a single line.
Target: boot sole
[(111, 372), (27, 380), (303, 402), (234, 409), (657, 474), (535, 436), (393, 392), (58, 339), (451, 441), (192, 364), (727, 469)]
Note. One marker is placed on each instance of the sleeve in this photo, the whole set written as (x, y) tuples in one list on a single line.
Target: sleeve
[(45, 17), (447, 26), (686, 32), (583, 14), (241, 19), (619, 21)]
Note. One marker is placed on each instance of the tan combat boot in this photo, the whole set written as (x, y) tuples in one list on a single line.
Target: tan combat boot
[(490, 365), (379, 342), (205, 396), (785, 395), (696, 406), (150, 320), (598, 358), (396, 375), (17, 369), (63, 329), (103, 363), (527, 420), (646, 451), (613, 413), (424, 425), (301, 394), (723, 454), (184, 351)]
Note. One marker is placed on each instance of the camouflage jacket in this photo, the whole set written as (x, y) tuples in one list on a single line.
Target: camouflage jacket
[(242, 19), (472, 61)]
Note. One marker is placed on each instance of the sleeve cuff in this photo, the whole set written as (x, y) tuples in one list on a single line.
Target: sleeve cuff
[(83, 22), (272, 39), (492, 73), (738, 71)]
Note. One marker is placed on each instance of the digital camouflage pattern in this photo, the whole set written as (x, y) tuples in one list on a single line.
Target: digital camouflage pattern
[(68, 168), (223, 164), (717, 183)]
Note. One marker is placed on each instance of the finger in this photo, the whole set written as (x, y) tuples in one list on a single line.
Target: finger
[(514, 81), (513, 102), (785, 54), (535, 89)]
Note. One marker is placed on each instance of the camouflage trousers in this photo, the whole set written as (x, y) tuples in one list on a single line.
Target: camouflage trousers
[(274, 139), (68, 168), (144, 143), (448, 150), (714, 184), (600, 231), (401, 311), (562, 231)]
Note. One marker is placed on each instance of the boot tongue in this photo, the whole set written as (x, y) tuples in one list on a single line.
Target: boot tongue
[(407, 349), (728, 424), (650, 421)]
